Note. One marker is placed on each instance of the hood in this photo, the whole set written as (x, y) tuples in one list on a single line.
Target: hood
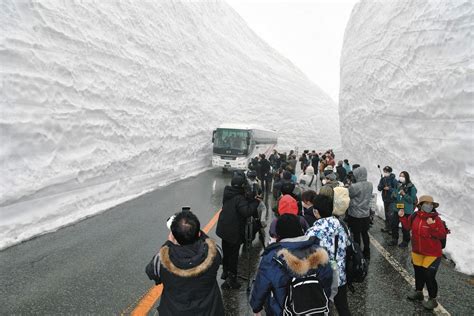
[(360, 174), (310, 171), (190, 260), (299, 254), (287, 205), (231, 192)]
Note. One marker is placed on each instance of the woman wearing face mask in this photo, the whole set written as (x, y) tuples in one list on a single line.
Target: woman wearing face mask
[(405, 197), (427, 232)]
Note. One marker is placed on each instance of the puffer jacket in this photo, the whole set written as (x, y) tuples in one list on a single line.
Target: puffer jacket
[(188, 274), (360, 194), (425, 238), (235, 210), (299, 256), (406, 201)]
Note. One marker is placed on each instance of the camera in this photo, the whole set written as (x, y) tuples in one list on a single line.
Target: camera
[(170, 219)]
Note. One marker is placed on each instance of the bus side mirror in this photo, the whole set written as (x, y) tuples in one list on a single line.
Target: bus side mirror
[(213, 136)]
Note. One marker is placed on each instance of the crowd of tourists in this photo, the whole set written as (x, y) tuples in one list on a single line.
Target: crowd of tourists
[(319, 241)]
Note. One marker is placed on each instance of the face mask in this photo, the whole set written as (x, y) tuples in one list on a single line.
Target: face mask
[(386, 174), (427, 207), (325, 181), (402, 179)]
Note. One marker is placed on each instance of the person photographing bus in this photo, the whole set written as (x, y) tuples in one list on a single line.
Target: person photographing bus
[(187, 266), (238, 205)]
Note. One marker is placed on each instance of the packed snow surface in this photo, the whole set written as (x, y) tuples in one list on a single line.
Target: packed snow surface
[(103, 101), (406, 100)]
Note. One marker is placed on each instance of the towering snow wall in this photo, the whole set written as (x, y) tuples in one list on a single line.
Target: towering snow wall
[(406, 100), (103, 101)]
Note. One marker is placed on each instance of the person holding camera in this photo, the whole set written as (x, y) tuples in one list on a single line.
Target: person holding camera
[(238, 205), (187, 266), (405, 199)]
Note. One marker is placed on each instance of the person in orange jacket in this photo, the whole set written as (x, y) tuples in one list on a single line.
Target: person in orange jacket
[(427, 232)]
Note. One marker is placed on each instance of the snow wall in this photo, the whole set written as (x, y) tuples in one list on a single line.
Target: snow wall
[(406, 100), (103, 101)]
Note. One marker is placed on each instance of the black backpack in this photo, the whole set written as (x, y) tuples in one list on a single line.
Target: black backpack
[(305, 296), (357, 266), (443, 241)]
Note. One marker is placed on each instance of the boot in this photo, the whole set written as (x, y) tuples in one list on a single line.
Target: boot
[(430, 304), (415, 295), (231, 282), (224, 275)]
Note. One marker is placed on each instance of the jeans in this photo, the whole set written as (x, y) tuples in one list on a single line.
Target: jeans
[(360, 227), (230, 258), (395, 222)]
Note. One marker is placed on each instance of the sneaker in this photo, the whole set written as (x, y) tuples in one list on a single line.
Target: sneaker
[(403, 244), (415, 295), (393, 242), (430, 304)]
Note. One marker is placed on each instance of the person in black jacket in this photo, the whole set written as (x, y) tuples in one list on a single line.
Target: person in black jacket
[(187, 265), (387, 185), (341, 172), (237, 207), (265, 173)]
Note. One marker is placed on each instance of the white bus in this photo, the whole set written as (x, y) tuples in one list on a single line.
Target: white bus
[(235, 145)]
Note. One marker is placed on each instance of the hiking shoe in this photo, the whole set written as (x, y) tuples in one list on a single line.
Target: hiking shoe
[(403, 244), (393, 242), (430, 304), (415, 295)]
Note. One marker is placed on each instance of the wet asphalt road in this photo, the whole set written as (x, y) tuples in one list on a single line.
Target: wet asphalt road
[(97, 266)]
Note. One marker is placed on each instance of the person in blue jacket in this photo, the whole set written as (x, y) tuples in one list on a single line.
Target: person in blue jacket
[(387, 185), (300, 254)]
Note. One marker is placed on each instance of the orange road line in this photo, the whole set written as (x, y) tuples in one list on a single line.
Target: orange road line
[(150, 298)]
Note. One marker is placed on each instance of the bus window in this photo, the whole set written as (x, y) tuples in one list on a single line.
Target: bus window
[(231, 139)]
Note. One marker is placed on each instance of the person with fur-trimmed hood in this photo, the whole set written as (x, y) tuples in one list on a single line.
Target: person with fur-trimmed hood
[(187, 266), (299, 254)]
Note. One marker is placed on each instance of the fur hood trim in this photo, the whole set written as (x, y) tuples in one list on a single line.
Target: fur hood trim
[(302, 266), (192, 272)]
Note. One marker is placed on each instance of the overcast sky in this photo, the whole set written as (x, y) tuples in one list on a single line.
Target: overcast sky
[(309, 33)]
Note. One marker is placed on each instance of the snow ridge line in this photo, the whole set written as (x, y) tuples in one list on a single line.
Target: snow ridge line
[(440, 310)]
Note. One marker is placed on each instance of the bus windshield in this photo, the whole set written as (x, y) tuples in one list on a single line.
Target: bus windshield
[(232, 139)]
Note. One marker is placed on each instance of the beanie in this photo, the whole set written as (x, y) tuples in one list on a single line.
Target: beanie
[(288, 226), (287, 205), (237, 181)]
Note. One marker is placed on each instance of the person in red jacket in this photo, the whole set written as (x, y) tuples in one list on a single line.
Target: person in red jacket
[(427, 232)]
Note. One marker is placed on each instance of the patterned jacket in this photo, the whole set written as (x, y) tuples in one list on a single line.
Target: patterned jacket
[(326, 229)]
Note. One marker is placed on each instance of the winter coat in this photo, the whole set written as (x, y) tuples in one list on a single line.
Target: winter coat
[(235, 210), (315, 162), (341, 173), (391, 183), (292, 163), (425, 238), (308, 215), (188, 274), (305, 180), (280, 262), (408, 200), (265, 168), (326, 229), (360, 194)]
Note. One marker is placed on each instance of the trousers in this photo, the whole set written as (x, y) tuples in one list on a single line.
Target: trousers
[(230, 259)]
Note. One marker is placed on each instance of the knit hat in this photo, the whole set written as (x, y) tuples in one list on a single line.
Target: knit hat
[(323, 205), (287, 205), (288, 226), (237, 181)]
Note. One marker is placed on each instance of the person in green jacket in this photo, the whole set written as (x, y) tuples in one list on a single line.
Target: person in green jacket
[(405, 199)]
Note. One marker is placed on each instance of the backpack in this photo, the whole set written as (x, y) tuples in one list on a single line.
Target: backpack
[(341, 201), (357, 266), (448, 231), (305, 296)]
